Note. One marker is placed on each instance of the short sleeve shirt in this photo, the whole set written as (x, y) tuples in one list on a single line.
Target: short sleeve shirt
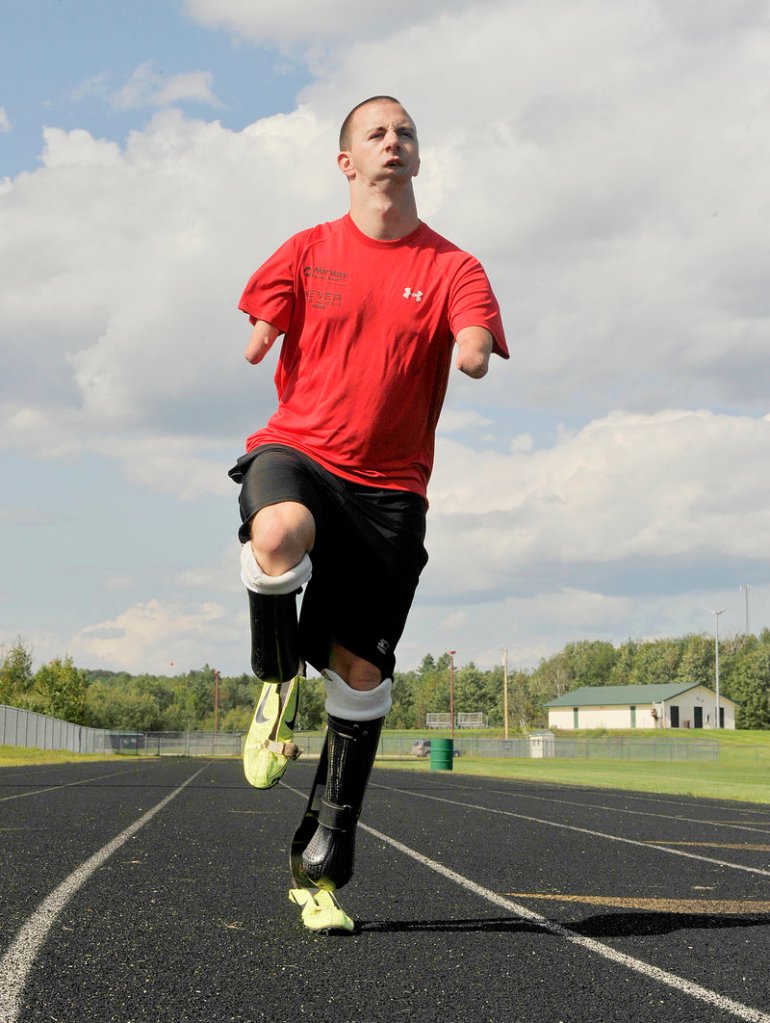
[(368, 333)]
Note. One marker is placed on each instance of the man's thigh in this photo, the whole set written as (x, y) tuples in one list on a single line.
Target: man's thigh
[(366, 567)]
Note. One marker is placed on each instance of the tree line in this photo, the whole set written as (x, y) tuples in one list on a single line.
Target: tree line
[(150, 703)]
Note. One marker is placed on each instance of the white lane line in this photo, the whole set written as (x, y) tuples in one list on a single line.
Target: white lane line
[(65, 785), (654, 973), (634, 813), (17, 962), (582, 831)]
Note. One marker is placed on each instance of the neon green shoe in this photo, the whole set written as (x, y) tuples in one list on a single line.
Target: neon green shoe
[(320, 911), (270, 743)]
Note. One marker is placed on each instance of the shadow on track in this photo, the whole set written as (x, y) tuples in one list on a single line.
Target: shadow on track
[(505, 924), (607, 925), (623, 925)]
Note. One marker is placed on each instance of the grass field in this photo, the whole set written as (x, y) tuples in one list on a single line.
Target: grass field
[(17, 756), (742, 772)]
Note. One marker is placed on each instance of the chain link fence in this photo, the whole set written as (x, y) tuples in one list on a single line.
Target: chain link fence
[(542, 745), (26, 728)]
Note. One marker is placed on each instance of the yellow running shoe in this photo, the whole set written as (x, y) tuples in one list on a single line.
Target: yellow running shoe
[(320, 911), (270, 743)]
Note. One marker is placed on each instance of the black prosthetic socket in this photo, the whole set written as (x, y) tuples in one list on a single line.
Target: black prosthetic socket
[(328, 860), (274, 636)]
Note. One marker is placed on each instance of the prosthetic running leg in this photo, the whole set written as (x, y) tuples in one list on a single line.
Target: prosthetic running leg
[(323, 850), (275, 660), (321, 912)]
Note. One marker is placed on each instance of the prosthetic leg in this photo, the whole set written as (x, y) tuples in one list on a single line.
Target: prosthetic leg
[(323, 850), (274, 659)]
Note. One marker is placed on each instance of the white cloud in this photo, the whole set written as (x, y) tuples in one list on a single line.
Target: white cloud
[(151, 636), (619, 495), (149, 88), (124, 268), (607, 166), (301, 21), (96, 85), (5, 122), (606, 162)]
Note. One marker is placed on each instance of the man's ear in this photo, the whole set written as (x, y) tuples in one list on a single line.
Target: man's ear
[(346, 165)]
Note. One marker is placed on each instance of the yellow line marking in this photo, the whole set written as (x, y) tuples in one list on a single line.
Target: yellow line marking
[(713, 845), (714, 907)]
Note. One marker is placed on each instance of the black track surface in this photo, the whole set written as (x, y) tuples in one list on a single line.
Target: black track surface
[(189, 920)]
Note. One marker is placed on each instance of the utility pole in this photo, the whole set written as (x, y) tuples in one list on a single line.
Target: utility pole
[(452, 691), (716, 615), (216, 701), (746, 588), (505, 692)]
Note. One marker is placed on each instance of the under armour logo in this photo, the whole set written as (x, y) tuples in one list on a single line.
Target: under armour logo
[(416, 295)]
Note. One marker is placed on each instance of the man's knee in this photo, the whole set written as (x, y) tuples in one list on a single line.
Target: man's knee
[(348, 704), (281, 534), (359, 674)]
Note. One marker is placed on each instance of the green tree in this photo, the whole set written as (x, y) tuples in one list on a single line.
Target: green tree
[(403, 711), (622, 669), (590, 662), (16, 678), (122, 709), (236, 719), (60, 690), (523, 709), (471, 693), (655, 661), (696, 663), (749, 685), (312, 705)]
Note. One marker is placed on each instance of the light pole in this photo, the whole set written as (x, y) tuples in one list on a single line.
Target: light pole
[(452, 692), (746, 588), (217, 677), (505, 692), (716, 615)]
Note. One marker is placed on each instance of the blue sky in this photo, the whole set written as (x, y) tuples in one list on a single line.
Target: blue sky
[(63, 60), (606, 164)]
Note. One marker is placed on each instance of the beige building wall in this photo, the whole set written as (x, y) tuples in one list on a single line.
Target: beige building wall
[(620, 716), (704, 699)]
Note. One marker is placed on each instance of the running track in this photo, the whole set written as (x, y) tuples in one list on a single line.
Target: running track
[(155, 892)]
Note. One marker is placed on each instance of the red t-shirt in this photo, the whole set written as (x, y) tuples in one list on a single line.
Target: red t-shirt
[(365, 359)]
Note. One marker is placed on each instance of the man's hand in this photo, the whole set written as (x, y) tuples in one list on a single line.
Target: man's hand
[(475, 347), (261, 341)]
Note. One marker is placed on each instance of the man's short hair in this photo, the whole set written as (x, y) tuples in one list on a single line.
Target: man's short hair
[(345, 129)]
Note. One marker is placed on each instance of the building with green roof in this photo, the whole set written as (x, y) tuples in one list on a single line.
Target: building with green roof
[(657, 705)]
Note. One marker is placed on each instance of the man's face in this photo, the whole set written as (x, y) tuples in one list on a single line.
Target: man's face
[(383, 144)]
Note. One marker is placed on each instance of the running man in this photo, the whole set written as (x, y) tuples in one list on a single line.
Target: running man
[(373, 307)]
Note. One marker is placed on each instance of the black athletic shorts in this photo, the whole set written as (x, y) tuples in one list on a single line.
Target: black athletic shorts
[(367, 559)]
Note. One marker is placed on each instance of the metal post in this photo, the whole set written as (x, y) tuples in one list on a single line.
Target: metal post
[(746, 589), (716, 615), (505, 692), (452, 691), (216, 701)]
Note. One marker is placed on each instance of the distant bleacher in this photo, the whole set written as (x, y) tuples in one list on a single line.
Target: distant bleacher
[(475, 720)]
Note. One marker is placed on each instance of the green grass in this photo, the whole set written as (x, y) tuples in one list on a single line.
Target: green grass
[(17, 756), (742, 772)]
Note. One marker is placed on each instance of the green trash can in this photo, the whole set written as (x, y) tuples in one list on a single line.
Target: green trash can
[(441, 754)]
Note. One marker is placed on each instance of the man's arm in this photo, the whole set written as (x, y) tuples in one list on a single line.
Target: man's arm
[(261, 341), (475, 347)]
